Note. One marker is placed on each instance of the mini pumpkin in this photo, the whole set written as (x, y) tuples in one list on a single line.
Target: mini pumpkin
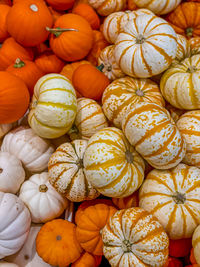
[(69, 69), (87, 259), (61, 4), (127, 202), (106, 7), (183, 48), (4, 9), (66, 172)]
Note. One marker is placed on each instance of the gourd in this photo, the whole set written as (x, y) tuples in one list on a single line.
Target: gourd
[(106, 7)]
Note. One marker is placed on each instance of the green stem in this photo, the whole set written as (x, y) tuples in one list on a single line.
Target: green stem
[(58, 31), (189, 32), (100, 67), (19, 63)]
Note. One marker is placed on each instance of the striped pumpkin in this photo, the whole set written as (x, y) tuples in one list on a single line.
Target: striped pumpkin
[(106, 7), (127, 202), (66, 172), (196, 244), (53, 107), (150, 129), (121, 93), (183, 48), (112, 165), (194, 45), (158, 6), (180, 84), (115, 22), (107, 61), (173, 196), (89, 119), (133, 237), (146, 47), (189, 126)]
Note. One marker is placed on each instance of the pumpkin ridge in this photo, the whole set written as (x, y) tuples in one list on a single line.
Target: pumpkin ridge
[(173, 177), (160, 206), (172, 218), (197, 183), (140, 216), (163, 34), (164, 23), (190, 132), (122, 54), (129, 183), (184, 221), (57, 89), (159, 181), (149, 236), (149, 194), (193, 200), (54, 77), (89, 117), (107, 142), (105, 164), (57, 105), (192, 214), (148, 23), (185, 176), (44, 125), (194, 98), (145, 62)]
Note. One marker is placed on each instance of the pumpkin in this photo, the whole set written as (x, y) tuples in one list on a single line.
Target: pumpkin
[(99, 43), (192, 258), (127, 202), (66, 172), (158, 6), (54, 239), (61, 4), (183, 48), (49, 63), (55, 14), (196, 244), (189, 126), (11, 50), (29, 29), (53, 107), (185, 19), (89, 119), (27, 255), (106, 7), (38, 194), (89, 226), (6, 2), (131, 5), (142, 43), (153, 133), (122, 93), (112, 165), (110, 67), (133, 237), (179, 84), (173, 197), (89, 81), (4, 9), (71, 38), (194, 44), (33, 151), (14, 98), (87, 12), (12, 173), (41, 48), (7, 264), (26, 70), (15, 223), (87, 260), (4, 128), (180, 248)]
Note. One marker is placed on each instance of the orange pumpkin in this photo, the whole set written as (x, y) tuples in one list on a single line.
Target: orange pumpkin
[(89, 226), (55, 14), (69, 69), (11, 50), (131, 5), (14, 98), (61, 4), (26, 22), (26, 70), (127, 202), (4, 9), (77, 2), (41, 48), (89, 81), (180, 248), (87, 260), (87, 12), (49, 63), (56, 243), (6, 2), (71, 38), (99, 44), (185, 19)]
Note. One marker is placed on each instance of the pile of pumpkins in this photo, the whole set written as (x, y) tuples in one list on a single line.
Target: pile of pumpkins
[(99, 133)]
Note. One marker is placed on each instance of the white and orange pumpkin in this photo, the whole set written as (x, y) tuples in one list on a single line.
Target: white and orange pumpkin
[(106, 7), (183, 48)]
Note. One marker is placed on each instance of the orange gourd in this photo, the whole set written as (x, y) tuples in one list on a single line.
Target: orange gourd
[(87, 12), (99, 44), (26, 70), (56, 243), (27, 22), (127, 202), (11, 50), (71, 38), (89, 225), (49, 63), (89, 81), (185, 19), (180, 247), (4, 9), (131, 5), (69, 69), (87, 260), (61, 4), (14, 98)]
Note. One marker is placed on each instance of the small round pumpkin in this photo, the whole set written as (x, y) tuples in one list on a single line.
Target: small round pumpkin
[(106, 7), (29, 29), (66, 172), (4, 9), (183, 48), (61, 4), (87, 260), (89, 226), (69, 69), (54, 239), (71, 38)]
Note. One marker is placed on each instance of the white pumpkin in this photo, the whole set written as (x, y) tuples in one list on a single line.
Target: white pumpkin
[(158, 6), (4, 128), (12, 173), (27, 256), (43, 201), (15, 221), (53, 106), (106, 7), (196, 244), (32, 150), (183, 48), (8, 264), (146, 46), (110, 68)]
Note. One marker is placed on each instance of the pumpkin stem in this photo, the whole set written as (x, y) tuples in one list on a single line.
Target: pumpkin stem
[(43, 188), (129, 156), (58, 237), (179, 198), (1, 170), (19, 63), (126, 246), (79, 163), (100, 67), (189, 32), (140, 39), (192, 69), (58, 31), (73, 129), (139, 92)]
